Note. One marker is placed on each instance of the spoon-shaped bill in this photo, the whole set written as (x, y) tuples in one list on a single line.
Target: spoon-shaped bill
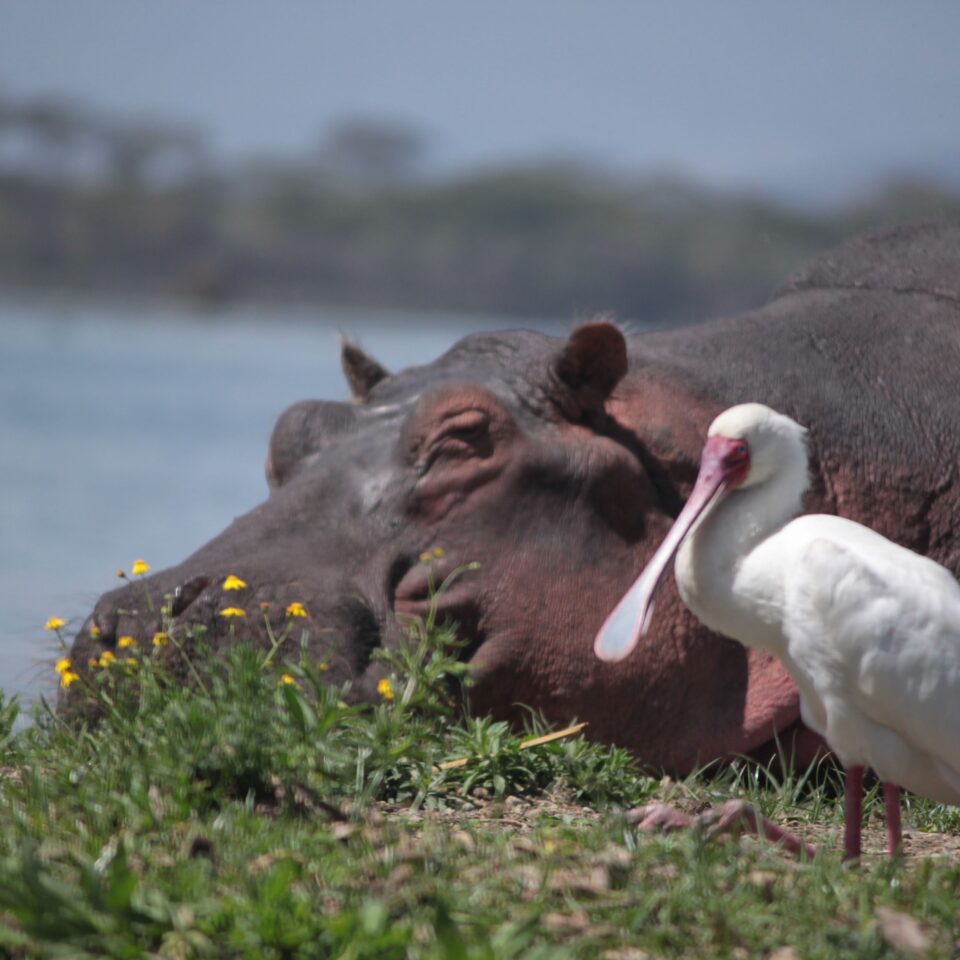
[(630, 618)]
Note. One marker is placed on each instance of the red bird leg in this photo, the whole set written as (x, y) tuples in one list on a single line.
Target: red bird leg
[(852, 813), (891, 800)]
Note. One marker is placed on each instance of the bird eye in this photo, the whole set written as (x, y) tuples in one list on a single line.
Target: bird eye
[(740, 449)]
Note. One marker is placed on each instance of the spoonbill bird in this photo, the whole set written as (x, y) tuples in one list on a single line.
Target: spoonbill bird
[(869, 631)]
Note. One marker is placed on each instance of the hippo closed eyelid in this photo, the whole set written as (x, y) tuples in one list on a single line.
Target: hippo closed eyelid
[(461, 436), (448, 409), (465, 423)]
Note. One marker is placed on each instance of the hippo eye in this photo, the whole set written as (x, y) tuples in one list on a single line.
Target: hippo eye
[(463, 434), (468, 431), (466, 425)]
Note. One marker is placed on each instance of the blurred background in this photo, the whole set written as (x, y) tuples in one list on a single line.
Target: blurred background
[(195, 198)]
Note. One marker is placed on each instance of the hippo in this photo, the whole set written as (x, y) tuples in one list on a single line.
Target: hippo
[(556, 466)]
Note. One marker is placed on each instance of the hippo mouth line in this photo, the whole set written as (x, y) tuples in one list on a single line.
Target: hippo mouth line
[(421, 590)]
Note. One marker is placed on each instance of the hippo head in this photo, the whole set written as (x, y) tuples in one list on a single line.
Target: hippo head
[(500, 454)]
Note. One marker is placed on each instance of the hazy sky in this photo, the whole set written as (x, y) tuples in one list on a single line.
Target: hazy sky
[(811, 96)]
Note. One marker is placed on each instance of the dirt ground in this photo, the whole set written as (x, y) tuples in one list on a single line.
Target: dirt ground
[(522, 816)]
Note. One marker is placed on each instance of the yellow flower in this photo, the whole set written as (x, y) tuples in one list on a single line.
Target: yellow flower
[(231, 612), (385, 689), (323, 667), (62, 664), (93, 662), (106, 658), (131, 662), (233, 583), (68, 677), (435, 554), (54, 623), (160, 639), (95, 631), (140, 567), (125, 642), (286, 678), (296, 609)]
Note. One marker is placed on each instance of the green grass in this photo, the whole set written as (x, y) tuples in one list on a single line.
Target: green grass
[(257, 818)]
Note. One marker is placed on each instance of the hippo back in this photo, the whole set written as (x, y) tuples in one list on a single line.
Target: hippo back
[(863, 346)]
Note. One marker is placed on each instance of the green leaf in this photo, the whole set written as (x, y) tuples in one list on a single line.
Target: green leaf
[(301, 711), (374, 917), (121, 882), (448, 935)]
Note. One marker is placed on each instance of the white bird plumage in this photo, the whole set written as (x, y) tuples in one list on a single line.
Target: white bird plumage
[(869, 631)]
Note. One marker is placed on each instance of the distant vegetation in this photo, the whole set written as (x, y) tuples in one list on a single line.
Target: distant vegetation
[(101, 204)]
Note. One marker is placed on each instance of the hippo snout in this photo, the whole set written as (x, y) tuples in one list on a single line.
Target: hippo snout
[(332, 621), (135, 610)]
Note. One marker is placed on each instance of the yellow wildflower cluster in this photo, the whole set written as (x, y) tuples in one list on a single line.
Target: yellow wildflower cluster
[(385, 689), (435, 554), (67, 676), (161, 638)]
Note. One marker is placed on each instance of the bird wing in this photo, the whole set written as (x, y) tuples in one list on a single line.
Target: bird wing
[(877, 628)]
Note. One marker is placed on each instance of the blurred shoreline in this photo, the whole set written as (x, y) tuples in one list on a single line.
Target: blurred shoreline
[(100, 207), (66, 303)]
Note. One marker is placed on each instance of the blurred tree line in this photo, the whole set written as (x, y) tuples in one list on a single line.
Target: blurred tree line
[(103, 204)]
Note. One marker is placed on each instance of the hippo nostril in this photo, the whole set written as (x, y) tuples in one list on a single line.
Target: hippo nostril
[(186, 593), (361, 625), (102, 625), (400, 567)]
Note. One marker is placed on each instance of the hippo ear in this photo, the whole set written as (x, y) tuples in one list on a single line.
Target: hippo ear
[(363, 373), (588, 366)]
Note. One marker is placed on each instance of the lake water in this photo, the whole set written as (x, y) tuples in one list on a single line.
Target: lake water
[(132, 430)]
